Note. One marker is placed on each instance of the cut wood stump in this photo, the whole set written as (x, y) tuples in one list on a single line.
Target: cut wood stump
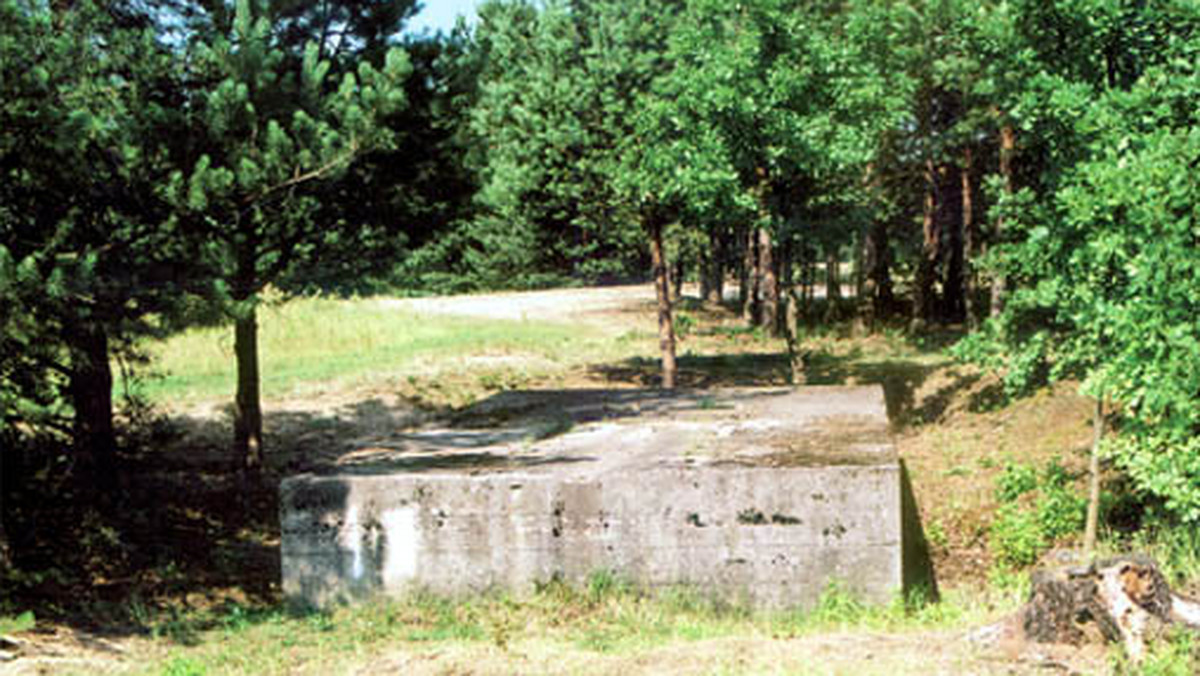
[(1125, 599)]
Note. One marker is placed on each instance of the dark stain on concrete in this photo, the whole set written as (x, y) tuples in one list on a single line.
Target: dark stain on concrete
[(837, 530), (752, 517)]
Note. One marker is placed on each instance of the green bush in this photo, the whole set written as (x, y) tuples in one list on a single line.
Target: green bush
[(1016, 536), (1015, 481), (685, 324), (1060, 509), (1023, 529)]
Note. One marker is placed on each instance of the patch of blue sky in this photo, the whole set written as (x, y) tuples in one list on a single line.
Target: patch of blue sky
[(441, 15)]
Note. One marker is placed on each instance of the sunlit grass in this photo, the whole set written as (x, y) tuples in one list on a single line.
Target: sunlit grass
[(323, 340), (561, 623)]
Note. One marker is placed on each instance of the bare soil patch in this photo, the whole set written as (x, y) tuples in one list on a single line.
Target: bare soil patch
[(615, 308), (835, 653)]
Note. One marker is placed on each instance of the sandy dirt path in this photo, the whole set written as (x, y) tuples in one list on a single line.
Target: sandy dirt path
[(613, 308), (865, 653)]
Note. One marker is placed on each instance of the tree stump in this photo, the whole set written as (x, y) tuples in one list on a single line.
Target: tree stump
[(1124, 599)]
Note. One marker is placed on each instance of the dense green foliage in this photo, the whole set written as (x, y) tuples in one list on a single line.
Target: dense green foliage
[(1104, 238), (86, 247)]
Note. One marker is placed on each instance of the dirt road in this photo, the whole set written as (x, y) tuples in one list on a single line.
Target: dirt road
[(835, 653), (595, 305)]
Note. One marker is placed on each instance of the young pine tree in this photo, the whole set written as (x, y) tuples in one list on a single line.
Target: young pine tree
[(268, 133)]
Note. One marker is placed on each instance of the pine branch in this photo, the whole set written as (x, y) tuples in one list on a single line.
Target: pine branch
[(299, 178)]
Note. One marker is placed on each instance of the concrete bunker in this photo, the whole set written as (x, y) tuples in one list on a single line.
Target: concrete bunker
[(757, 495)]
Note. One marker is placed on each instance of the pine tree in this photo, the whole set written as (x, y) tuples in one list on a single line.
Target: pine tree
[(267, 134), (85, 253)]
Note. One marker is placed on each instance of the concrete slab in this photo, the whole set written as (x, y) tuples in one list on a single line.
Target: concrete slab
[(764, 496)]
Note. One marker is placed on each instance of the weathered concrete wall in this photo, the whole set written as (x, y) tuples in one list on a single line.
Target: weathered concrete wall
[(752, 495)]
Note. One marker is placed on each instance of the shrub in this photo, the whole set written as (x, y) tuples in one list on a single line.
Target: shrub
[(1016, 536), (1023, 529), (1016, 480)]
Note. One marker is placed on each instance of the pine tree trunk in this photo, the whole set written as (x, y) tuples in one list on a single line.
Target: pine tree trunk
[(716, 269), (743, 272), (875, 297), (247, 423), (677, 280), (90, 389), (968, 241), (791, 331), (809, 287), (877, 283), (787, 269), (833, 275), (922, 308), (1008, 145), (950, 223), (857, 268), (662, 286), (705, 270), (5, 554), (752, 277), (833, 284), (663, 291), (769, 316)]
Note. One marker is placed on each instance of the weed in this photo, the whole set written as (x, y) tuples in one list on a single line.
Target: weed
[(1016, 480), (1007, 580), (684, 324), (499, 380), (321, 622), (1060, 511), (183, 666), (1175, 656), (23, 622), (1024, 528), (1016, 536), (603, 614), (837, 606), (606, 583), (935, 533), (1177, 549)]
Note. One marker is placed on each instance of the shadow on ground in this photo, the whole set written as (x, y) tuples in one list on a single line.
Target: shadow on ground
[(184, 535), (901, 379)]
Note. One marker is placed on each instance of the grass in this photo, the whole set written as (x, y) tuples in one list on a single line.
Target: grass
[(604, 617), (324, 340), (12, 624)]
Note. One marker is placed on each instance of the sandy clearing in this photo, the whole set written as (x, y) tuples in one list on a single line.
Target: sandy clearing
[(595, 305), (850, 653)]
